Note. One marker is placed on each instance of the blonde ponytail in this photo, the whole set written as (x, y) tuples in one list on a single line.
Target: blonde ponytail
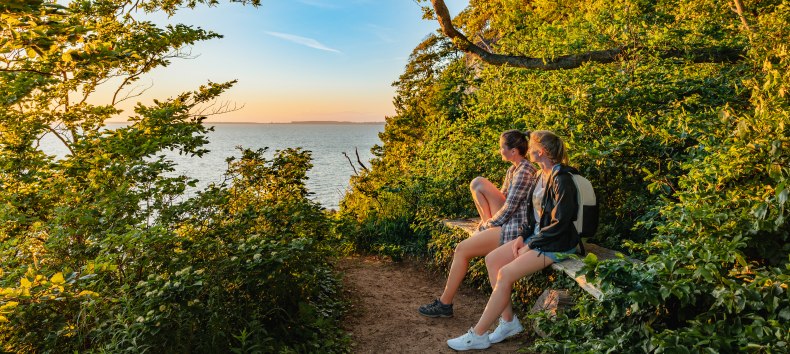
[(553, 144)]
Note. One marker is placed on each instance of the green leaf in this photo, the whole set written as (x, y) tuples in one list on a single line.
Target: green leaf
[(782, 196), (785, 314), (591, 259)]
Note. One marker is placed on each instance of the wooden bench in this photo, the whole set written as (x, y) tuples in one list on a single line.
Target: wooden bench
[(569, 266)]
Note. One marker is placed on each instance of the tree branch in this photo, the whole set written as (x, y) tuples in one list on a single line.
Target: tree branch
[(214, 109), (26, 71), (146, 66), (132, 94), (739, 10), (356, 151), (66, 100), (699, 55), (350, 163), (61, 138)]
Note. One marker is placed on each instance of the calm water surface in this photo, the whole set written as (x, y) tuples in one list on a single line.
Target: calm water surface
[(327, 180)]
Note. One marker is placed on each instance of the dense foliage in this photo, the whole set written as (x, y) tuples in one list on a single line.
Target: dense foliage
[(103, 249), (690, 159)]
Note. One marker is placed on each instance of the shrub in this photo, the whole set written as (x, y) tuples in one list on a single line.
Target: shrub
[(103, 249)]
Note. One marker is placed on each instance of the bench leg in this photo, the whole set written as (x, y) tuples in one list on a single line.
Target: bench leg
[(551, 301)]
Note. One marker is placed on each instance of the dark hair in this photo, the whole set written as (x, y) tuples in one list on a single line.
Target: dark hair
[(516, 139), (553, 145)]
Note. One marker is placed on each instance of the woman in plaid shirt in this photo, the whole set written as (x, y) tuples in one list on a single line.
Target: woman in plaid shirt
[(501, 211)]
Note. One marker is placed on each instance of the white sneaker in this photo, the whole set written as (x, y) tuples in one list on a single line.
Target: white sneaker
[(470, 340), (505, 330)]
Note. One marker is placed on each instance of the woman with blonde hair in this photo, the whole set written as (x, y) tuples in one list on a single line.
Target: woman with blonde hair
[(548, 235), (501, 212)]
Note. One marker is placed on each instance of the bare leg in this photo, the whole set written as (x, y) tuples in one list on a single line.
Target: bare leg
[(495, 260), (488, 199), (478, 245), (528, 263)]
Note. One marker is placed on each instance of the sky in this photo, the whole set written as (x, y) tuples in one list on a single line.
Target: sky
[(298, 60)]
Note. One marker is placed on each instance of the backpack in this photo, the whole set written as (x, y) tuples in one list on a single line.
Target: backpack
[(586, 221)]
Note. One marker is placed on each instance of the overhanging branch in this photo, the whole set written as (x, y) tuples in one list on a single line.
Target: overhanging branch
[(698, 55)]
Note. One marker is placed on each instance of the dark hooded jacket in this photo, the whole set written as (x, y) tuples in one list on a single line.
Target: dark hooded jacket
[(560, 207)]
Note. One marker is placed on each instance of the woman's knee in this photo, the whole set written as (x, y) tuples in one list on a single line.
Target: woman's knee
[(506, 275), (496, 260), (476, 183), (492, 260), (462, 251), (493, 264)]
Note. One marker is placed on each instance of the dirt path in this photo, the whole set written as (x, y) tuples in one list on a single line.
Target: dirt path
[(385, 297)]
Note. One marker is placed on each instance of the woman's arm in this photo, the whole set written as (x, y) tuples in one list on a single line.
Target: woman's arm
[(508, 178), (517, 191)]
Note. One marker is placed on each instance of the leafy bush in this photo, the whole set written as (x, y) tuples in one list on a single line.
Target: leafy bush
[(219, 271), (103, 249)]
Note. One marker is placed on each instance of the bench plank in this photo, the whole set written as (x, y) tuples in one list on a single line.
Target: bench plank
[(569, 266)]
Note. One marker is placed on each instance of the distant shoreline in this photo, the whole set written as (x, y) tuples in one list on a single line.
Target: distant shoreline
[(328, 122), (338, 122), (300, 122)]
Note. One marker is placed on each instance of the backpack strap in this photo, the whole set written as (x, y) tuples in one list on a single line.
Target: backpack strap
[(582, 251)]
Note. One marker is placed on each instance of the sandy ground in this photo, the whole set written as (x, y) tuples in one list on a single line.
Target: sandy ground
[(384, 318)]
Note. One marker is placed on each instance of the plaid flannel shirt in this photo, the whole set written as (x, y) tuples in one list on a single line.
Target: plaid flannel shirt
[(513, 213)]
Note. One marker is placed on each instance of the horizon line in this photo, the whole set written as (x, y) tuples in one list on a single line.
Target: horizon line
[(291, 122)]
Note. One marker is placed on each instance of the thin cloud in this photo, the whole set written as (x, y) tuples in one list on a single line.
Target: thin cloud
[(384, 34), (307, 42), (318, 3)]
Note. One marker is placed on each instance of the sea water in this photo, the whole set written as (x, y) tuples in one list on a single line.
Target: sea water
[(328, 180)]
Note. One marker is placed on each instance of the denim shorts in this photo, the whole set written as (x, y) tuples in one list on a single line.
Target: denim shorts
[(558, 256), (554, 256)]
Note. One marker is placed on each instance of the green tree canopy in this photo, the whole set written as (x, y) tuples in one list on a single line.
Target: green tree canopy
[(102, 250), (688, 151)]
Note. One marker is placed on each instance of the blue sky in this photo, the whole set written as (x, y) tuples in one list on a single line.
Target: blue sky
[(300, 59)]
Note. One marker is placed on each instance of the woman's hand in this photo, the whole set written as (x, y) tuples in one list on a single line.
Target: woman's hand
[(482, 225), (518, 246)]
